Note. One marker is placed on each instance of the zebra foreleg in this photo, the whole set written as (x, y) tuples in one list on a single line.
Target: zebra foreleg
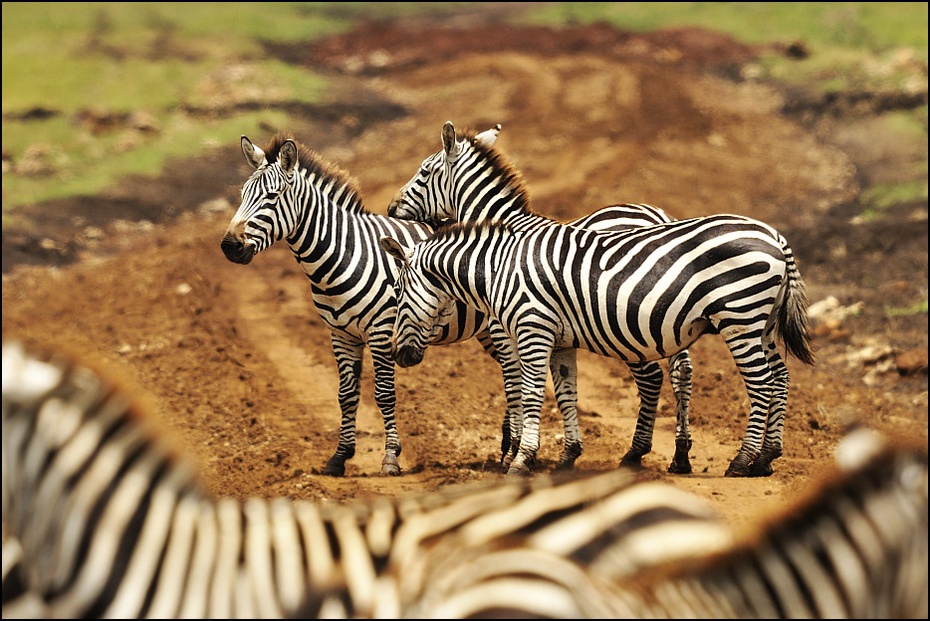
[(349, 361), (500, 347), (386, 400), (680, 372), (648, 378), (563, 366)]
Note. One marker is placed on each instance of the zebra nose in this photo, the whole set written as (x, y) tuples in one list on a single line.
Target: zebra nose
[(392, 208), (408, 356), (236, 250)]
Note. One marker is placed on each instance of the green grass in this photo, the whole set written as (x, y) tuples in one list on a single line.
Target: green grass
[(152, 57), (917, 308)]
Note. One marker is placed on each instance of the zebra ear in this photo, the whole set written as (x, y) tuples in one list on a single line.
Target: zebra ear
[(489, 136), (253, 155), (393, 248), (449, 144), (287, 157)]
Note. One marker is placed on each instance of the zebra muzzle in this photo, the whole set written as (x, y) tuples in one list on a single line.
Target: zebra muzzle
[(408, 356), (236, 250)]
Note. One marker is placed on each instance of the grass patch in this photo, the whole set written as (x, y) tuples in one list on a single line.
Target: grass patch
[(118, 58), (917, 308)]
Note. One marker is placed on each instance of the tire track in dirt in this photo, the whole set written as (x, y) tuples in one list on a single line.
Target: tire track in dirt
[(261, 320)]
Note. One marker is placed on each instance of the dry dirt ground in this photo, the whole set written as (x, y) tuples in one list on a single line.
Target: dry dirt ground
[(238, 363)]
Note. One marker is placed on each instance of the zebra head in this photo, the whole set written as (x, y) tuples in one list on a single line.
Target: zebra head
[(423, 307), (428, 194), (263, 216)]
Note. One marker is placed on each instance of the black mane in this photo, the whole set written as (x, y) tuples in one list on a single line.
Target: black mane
[(314, 164)]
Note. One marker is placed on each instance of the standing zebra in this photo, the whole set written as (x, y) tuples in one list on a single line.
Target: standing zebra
[(637, 295), (102, 518), (295, 195), (425, 198)]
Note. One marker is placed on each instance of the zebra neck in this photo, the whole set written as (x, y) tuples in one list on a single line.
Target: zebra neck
[(490, 199), (331, 228)]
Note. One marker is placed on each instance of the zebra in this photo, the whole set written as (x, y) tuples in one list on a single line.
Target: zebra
[(294, 194), (424, 198), (103, 517), (853, 546), (637, 295)]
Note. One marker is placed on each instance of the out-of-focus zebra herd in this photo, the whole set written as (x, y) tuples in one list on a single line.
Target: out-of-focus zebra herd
[(102, 518)]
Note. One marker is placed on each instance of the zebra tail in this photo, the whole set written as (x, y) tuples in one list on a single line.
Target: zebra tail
[(793, 325)]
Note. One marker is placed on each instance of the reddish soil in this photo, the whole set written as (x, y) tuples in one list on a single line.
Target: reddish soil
[(238, 362)]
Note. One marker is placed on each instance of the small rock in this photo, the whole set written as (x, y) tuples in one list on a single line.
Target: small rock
[(911, 362)]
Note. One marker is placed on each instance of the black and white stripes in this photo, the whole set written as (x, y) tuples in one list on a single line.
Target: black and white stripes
[(102, 518), (427, 197), (316, 208), (638, 295), (609, 545)]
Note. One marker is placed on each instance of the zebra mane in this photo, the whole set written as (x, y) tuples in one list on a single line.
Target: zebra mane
[(450, 229), (314, 164), (503, 170)]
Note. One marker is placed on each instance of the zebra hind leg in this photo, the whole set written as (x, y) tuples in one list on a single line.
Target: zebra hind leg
[(648, 378), (757, 376), (680, 373), (563, 366), (772, 446)]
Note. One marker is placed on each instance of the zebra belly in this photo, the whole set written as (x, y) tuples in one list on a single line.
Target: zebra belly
[(627, 345)]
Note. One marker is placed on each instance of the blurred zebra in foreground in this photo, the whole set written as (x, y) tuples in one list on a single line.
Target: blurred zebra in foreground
[(112, 523), (854, 547), (637, 295), (102, 518)]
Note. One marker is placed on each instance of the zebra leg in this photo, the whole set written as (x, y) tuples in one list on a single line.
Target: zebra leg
[(679, 373), (775, 425), (648, 378), (563, 366), (534, 366), (500, 347), (349, 362), (754, 367), (386, 400)]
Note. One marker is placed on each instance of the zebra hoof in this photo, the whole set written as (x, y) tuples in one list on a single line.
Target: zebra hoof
[(519, 470), (680, 466), (737, 470), (389, 466), (334, 468), (570, 453), (632, 462), (762, 467)]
